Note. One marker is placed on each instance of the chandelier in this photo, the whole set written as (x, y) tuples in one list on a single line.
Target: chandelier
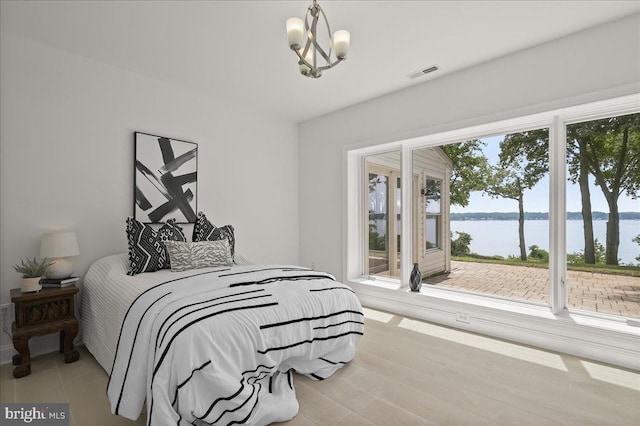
[(312, 58)]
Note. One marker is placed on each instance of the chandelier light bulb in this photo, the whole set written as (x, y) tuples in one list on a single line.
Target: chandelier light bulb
[(295, 31), (341, 40), (304, 69)]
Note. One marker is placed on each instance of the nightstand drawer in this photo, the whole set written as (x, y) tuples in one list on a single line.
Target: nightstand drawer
[(47, 305)]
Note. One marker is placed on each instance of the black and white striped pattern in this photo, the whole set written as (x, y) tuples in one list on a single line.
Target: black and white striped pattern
[(207, 349)]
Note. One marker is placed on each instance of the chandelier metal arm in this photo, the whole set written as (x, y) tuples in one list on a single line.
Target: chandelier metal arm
[(311, 32), (315, 10), (326, 67), (322, 53)]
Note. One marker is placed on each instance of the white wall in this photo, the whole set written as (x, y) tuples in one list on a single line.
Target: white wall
[(66, 153), (592, 65)]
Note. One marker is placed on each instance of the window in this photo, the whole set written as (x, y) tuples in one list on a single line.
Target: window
[(484, 215), (383, 215), (433, 213), (603, 215), (378, 223), (527, 178)]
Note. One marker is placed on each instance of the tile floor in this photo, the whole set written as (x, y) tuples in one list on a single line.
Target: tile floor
[(406, 372)]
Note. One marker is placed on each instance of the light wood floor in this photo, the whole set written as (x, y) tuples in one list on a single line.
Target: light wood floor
[(406, 372)]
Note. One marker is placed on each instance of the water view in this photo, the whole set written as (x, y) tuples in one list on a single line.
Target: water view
[(486, 242), (485, 232)]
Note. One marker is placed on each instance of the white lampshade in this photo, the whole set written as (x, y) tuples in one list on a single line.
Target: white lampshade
[(295, 31), (341, 40), (56, 246), (59, 244)]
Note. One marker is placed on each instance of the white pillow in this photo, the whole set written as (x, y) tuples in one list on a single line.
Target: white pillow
[(200, 254)]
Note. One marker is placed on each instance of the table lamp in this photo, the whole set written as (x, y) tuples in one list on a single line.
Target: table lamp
[(58, 247)]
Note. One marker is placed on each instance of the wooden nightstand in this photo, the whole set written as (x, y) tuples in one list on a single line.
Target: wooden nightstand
[(48, 311)]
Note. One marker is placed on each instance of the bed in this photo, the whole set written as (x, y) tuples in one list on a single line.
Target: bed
[(215, 345)]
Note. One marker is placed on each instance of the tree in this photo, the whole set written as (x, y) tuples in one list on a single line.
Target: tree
[(524, 160), (536, 252), (460, 246), (470, 169), (612, 154), (505, 183), (636, 239), (578, 257), (577, 142)]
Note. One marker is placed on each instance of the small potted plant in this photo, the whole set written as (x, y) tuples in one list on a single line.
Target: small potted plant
[(32, 271)]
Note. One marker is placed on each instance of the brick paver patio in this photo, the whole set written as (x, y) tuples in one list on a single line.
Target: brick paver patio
[(611, 294)]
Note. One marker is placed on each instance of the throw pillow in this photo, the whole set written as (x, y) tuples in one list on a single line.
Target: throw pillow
[(201, 254), (146, 249), (203, 230)]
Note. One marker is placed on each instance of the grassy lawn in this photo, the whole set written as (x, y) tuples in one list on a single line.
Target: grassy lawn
[(632, 271)]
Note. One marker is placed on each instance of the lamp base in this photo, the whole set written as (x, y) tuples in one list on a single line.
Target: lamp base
[(60, 268)]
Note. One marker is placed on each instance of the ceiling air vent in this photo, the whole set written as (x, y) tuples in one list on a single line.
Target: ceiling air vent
[(420, 73)]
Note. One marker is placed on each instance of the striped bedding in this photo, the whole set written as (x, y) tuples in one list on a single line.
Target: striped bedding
[(218, 345)]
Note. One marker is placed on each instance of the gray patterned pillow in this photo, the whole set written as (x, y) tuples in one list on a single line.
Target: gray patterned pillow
[(199, 254)]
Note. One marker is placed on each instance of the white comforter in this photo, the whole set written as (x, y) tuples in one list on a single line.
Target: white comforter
[(218, 346)]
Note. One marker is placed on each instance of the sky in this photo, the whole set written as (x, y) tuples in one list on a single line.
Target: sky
[(537, 199)]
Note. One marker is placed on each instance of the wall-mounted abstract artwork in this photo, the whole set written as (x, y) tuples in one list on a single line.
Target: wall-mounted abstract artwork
[(165, 179)]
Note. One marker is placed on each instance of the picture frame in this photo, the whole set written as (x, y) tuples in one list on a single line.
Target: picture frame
[(165, 179)]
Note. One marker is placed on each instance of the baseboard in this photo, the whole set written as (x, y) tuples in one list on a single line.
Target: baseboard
[(608, 340)]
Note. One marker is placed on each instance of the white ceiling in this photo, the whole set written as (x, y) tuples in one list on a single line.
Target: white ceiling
[(237, 50)]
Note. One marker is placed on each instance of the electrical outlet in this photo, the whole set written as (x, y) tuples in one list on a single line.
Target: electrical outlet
[(463, 317), (633, 322)]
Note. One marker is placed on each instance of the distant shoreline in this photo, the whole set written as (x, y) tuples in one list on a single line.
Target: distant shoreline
[(537, 216)]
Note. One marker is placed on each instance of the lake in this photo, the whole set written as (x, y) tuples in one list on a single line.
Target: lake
[(490, 237)]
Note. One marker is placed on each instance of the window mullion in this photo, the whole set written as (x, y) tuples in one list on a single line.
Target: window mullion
[(365, 218), (557, 216)]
